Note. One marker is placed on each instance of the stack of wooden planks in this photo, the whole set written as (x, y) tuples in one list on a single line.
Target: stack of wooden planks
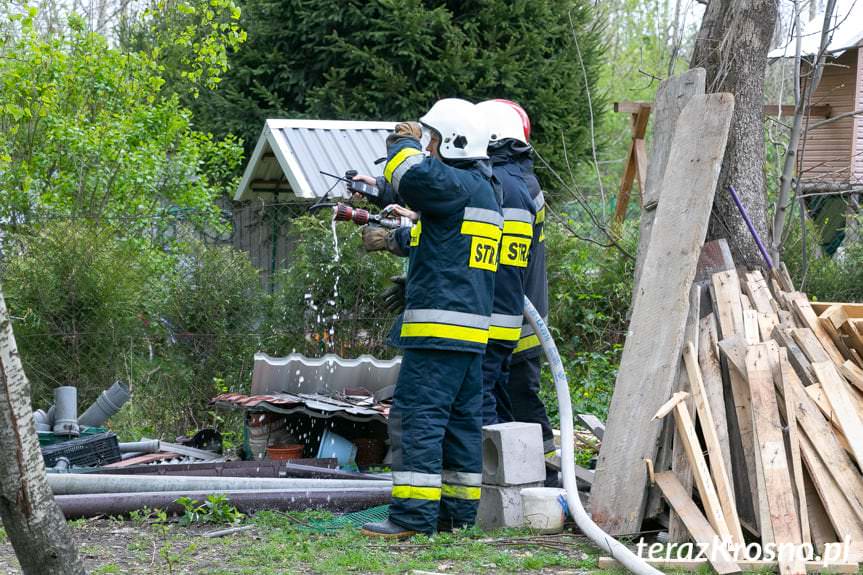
[(766, 424)]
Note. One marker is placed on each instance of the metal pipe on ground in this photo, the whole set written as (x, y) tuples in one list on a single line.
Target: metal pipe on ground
[(264, 468), (85, 483), (246, 501)]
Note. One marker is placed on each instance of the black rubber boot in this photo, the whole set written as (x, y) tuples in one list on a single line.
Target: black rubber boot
[(387, 529)]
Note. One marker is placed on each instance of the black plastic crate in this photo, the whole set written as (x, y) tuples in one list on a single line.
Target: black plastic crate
[(91, 451)]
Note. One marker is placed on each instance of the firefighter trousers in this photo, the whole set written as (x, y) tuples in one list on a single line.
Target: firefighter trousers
[(435, 428), (523, 391), (496, 405)]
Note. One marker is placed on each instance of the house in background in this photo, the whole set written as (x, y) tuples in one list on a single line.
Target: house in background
[(830, 156), (282, 180)]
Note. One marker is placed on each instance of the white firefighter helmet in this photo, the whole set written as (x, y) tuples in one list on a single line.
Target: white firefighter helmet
[(463, 133), (506, 120)]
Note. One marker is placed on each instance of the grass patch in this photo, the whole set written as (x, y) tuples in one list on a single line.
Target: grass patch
[(284, 544)]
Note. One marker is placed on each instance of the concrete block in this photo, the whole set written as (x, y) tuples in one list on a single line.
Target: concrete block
[(501, 507), (512, 454)]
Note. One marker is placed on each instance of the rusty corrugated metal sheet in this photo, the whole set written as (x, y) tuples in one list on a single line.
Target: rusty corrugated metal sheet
[(314, 405)]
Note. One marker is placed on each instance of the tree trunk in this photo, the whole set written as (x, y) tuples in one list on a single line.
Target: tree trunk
[(33, 521), (732, 46)]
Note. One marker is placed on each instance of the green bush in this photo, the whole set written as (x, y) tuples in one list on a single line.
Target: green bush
[(326, 305), (208, 315), (837, 278), (77, 293), (589, 296)]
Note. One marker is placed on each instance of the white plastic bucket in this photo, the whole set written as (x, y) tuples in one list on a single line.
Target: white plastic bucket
[(544, 508)]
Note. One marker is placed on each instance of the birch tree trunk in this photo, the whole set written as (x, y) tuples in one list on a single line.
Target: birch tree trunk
[(33, 521), (732, 45)]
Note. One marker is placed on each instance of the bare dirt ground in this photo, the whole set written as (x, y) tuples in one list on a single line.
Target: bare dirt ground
[(276, 546)]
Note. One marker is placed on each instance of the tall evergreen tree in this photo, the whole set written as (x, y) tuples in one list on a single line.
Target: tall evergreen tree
[(391, 59)]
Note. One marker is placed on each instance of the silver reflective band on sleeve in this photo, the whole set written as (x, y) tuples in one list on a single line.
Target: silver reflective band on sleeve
[(406, 165), (539, 201), (517, 215), (504, 320), (462, 478), (448, 317), (417, 479), (483, 215)]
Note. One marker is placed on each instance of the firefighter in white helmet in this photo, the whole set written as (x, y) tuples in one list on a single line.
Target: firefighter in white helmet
[(435, 423)]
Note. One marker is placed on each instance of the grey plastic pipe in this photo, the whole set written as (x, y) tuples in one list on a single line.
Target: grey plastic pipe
[(107, 404), (143, 446), (86, 483), (603, 540), (66, 412)]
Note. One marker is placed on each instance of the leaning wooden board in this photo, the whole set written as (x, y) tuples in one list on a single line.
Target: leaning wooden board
[(652, 352), (697, 524), (671, 98), (781, 510)]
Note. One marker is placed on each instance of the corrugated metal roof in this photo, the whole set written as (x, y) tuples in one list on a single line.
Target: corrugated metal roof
[(847, 32), (290, 153), (327, 375)]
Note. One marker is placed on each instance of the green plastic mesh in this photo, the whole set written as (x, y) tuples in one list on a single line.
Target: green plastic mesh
[(355, 519)]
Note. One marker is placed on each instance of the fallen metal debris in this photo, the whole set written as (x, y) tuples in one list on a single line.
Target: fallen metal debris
[(81, 483), (246, 501), (263, 468), (230, 531)]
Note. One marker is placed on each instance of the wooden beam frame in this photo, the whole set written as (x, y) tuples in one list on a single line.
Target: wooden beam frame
[(636, 166), (823, 111)]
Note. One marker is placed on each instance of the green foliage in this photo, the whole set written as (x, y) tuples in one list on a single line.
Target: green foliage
[(589, 295), (216, 509), (147, 516), (837, 278), (190, 39), (392, 60), (77, 293), (86, 131), (323, 305), (207, 311)]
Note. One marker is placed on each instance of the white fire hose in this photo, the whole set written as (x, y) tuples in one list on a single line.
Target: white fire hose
[(602, 539)]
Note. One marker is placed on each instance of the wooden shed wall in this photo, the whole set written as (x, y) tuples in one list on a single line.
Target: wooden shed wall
[(827, 156), (253, 234), (857, 151)]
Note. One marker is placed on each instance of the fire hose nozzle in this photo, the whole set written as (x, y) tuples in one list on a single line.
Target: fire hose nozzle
[(345, 213)]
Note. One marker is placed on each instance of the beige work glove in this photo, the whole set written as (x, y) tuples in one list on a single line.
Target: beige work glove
[(374, 238), (406, 130)]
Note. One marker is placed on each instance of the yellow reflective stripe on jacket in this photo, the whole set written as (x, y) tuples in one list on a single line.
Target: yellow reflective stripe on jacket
[(503, 333), (518, 228), (416, 232), (445, 331), (505, 327), (482, 229), (540, 215), (414, 492), (526, 343), (461, 492), (397, 160)]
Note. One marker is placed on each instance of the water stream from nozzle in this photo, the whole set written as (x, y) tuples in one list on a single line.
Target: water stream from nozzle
[(331, 332)]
